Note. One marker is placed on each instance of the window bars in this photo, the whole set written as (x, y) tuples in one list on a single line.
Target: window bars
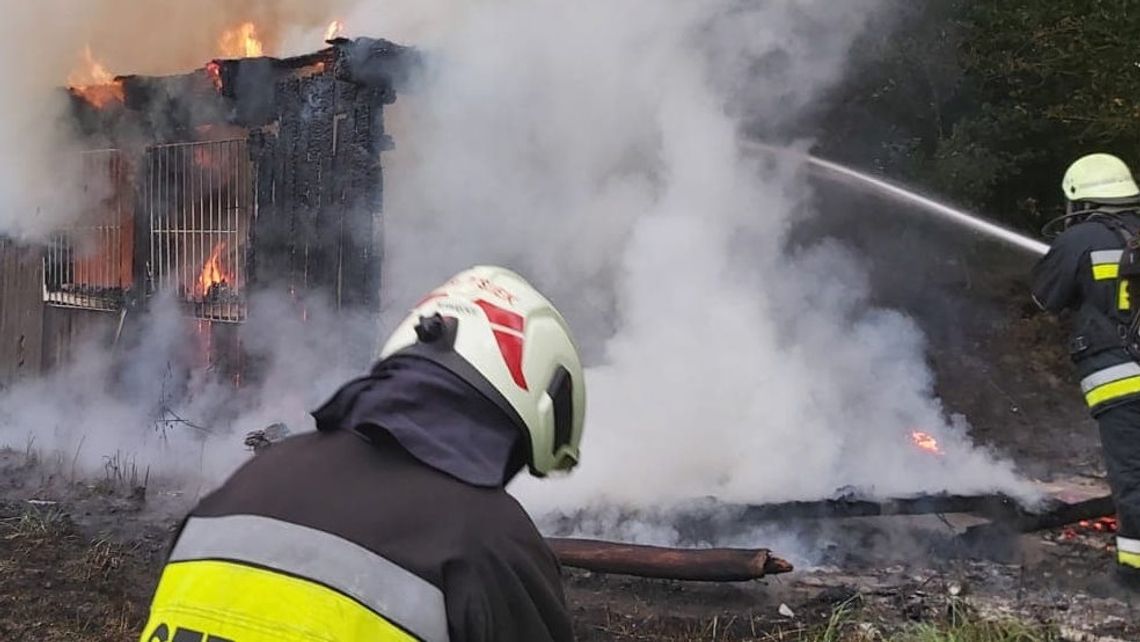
[(88, 264), (199, 199)]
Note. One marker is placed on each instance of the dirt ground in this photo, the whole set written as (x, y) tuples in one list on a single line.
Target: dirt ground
[(59, 580), (78, 562), (78, 558)]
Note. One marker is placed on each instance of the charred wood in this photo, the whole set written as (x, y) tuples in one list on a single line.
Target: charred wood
[(1054, 515), (376, 63), (1005, 510), (992, 506), (1061, 514)]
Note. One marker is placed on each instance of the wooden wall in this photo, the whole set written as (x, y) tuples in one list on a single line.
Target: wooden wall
[(66, 329), (35, 337), (21, 312)]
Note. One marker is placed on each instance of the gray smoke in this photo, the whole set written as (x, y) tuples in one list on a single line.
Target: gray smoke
[(151, 400), (596, 147)]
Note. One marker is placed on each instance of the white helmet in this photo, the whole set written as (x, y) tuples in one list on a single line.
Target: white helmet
[(1099, 178), (491, 328)]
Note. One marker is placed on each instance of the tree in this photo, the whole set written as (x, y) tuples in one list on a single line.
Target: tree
[(987, 101)]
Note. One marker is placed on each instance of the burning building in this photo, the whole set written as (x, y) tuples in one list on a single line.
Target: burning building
[(252, 172)]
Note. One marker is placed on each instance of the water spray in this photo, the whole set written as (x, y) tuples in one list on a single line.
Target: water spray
[(953, 214)]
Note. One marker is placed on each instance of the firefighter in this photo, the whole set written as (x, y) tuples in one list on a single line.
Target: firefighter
[(390, 521), (1088, 270)]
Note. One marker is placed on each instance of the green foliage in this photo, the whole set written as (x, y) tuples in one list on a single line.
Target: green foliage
[(987, 101)]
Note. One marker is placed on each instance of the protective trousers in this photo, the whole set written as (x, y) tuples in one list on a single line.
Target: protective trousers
[(1120, 439)]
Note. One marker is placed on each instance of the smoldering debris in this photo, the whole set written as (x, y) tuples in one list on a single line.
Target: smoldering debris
[(259, 440), (723, 364)]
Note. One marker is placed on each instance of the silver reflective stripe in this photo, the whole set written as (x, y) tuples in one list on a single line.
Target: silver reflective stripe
[(1108, 375), (1105, 256), (1127, 545), (398, 594)]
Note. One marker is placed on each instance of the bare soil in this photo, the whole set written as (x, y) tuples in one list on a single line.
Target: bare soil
[(82, 566), (78, 561)]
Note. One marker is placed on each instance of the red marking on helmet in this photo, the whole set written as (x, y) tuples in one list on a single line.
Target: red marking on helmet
[(511, 347), (499, 316), (510, 344), (493, 288)]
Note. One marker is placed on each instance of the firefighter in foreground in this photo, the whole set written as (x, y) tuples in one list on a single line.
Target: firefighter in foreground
[(390, 522), (1090, 269)]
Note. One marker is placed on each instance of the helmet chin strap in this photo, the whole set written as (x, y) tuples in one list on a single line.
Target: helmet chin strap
[(1080, 211), (1075, 212)]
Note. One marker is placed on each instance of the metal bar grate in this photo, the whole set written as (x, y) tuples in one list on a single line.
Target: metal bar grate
[(88, 264), (198, 197)]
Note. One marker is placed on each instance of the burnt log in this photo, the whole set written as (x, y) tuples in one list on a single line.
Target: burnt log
[(705, 520), (1062, 514), (1001, 509), (1054, 515), (698, 565), (994, 506)]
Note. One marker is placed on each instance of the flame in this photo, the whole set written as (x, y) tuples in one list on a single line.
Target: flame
[(214, 71), (212, 272), (925, 441), (94, 83), (206, 158), (1102, 525), (335, 30), (241, 42), (1085, 526)]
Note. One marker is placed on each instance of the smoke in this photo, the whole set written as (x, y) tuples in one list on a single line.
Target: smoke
[(597, 149), (143, 397), (148, 398)]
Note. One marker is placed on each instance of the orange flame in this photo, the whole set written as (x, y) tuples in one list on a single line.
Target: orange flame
[(335, 30), (241, 42), (94, 83), (925, 441), (212, 272), (1101, 525), (214, 71)]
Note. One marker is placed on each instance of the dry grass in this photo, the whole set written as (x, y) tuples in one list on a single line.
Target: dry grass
[(55, 584), (845, 623)]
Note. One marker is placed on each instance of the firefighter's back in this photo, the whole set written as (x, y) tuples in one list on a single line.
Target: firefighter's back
[(326, 536)]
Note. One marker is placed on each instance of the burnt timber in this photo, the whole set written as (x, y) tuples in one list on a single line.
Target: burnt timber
[(313, 129), (1051, 512)]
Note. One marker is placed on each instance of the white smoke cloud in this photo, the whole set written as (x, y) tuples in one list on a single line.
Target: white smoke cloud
[(596, 147), (149, 399)]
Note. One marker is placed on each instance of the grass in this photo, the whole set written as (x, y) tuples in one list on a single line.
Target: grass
[(101, 559), (847, 622), (34, 523), (121, 473), (843, 626), (1009, 631), (58, 585)]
